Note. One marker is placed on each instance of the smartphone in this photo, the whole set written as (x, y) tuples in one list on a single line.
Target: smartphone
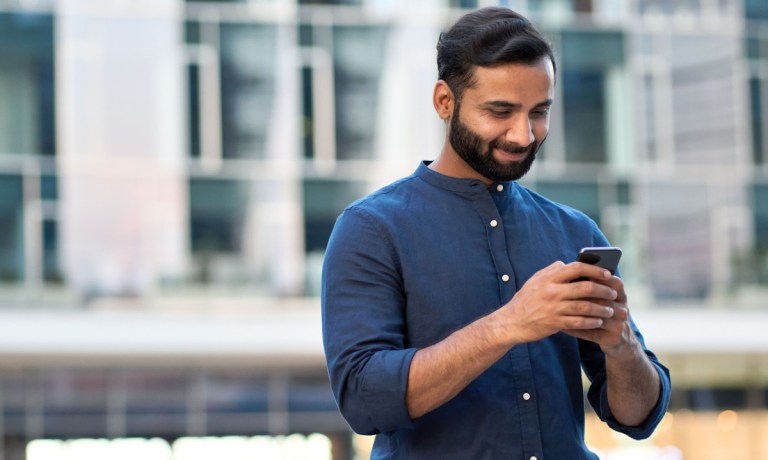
[(606, 257)]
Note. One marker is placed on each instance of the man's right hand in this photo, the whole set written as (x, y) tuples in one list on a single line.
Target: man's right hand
[(550, 302)]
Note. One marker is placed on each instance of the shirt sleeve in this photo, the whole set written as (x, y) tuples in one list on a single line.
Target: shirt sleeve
[(593, 361), (364, 327)]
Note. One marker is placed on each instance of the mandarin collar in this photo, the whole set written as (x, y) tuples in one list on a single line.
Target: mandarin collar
[(455, 184)]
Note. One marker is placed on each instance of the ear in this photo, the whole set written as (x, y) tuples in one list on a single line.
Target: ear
[(443, 100)]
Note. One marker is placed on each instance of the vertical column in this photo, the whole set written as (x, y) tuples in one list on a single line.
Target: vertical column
[(408, 130), (123, 202), (341, 446), (274, 228)]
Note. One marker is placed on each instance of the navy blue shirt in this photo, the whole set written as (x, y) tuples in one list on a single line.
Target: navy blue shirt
[(419, 259)]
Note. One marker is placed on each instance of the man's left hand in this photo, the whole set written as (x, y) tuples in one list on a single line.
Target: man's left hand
[(615, 336)]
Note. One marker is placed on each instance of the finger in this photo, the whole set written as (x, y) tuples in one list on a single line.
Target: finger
[(614, 282), (621, 313), (581, 323), (617, 284), (554, 266), (584, 334), (591, 289), (585, 308), (575, 270)]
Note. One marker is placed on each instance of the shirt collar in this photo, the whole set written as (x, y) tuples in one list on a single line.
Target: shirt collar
[(453, 183)]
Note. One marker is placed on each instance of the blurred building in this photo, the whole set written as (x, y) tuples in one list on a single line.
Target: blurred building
[(170, 173)]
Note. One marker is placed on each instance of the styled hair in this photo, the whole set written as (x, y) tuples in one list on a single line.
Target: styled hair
[(487, 37)]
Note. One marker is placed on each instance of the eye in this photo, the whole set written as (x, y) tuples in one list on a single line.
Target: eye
[(500, 113), (541, 112)]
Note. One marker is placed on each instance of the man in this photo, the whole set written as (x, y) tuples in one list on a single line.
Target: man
[(452, 327)]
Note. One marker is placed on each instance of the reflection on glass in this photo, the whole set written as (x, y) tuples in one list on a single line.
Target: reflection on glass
[(587, 57), (582, 196), (11, 228), (759, 119), (357, 54), (247, 87), (26, 84), (323, 202)]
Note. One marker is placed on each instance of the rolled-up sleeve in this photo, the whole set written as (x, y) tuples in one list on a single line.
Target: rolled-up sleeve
[(593, 361), (363, 325)]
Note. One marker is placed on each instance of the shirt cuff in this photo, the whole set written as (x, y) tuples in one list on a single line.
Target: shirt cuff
[(645, 429), (384, 388)]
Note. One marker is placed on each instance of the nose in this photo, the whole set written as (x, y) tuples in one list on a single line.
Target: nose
[(520, 132)]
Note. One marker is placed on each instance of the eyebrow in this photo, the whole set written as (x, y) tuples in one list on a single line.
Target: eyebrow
[(512, 105)]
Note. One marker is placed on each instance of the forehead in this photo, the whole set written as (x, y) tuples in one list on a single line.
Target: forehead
[(515, 82)]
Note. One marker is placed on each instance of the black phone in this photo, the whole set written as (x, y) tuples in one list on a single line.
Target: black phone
[(605, 257)]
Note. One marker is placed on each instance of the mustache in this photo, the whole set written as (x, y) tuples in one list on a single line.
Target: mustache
[(512, 148)]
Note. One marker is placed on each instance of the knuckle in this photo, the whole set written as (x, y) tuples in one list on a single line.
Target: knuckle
[(597, 290), (550, 291), (574, 323), (586, 289), (584, 323)]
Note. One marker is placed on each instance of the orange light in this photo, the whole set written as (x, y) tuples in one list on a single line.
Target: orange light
[(727, 420)]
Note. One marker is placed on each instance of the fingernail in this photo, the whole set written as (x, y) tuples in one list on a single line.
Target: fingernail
[(606, 274), (609, 310)]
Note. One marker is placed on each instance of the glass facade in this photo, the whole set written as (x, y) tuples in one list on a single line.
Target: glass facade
[(121, 402), (247, 54), (288, 110), (27, 122), (27, 131)]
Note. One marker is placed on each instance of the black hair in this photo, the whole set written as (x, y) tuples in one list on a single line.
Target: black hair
[(487, 37)]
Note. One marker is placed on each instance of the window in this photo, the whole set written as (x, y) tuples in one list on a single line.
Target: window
[(582, 196), (759, 133), (26, 84), (760, 208), (585, 117), (708, 399), (217, 212), (587, 58), (357, 57), (11, 228), (247, 88), (756, 9), (323, 202)]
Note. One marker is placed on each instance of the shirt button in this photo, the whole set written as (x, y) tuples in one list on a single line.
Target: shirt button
[(533, 457), (527, 396), (494, 223), (505, 278), (499, 187)]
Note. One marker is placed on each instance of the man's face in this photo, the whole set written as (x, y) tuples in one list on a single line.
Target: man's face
[(503, 119)]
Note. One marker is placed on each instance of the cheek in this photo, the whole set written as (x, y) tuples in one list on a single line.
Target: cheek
[(540, 129), (489, 131)]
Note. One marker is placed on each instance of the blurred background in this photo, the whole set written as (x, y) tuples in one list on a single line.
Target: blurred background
[(170, 172)]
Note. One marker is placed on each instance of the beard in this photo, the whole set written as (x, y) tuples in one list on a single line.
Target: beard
[(478, 153)]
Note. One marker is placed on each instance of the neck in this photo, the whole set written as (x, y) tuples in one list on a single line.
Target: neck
[(449, 163)]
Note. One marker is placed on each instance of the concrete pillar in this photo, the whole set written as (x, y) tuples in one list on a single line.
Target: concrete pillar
[(341, 446), (14, 448), (120, 143)]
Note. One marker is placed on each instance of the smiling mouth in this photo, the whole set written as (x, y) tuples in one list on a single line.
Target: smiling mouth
[(514, 156)]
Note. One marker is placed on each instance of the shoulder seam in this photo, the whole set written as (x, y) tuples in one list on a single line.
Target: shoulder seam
[(357, 209)]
